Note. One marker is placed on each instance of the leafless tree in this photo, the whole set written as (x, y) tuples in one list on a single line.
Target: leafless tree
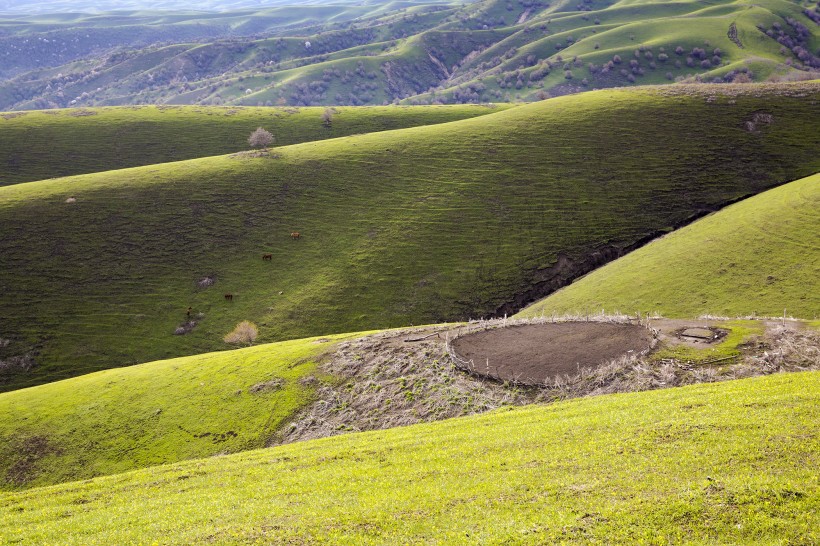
[(260, 138), (327, 117)]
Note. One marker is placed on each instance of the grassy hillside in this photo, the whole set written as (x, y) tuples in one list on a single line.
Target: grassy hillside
[(405, 227), (636, 43), (54, 143), (722, 463), (155, 413), (490, 50), (760, 256), (54, 33)]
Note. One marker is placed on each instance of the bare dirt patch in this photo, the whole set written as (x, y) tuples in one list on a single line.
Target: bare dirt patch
[(29, 451), (206, 282), (408, 376), (534, 354), (267, 386), (391, 379)]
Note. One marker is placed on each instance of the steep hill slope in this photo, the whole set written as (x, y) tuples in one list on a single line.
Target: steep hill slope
[(760, 256), (732, 462), (404, 227), (54, 143)]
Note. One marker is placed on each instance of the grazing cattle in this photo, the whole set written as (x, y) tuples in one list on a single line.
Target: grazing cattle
[(267, 257), (295, 235), (228, 297), (188, 313)]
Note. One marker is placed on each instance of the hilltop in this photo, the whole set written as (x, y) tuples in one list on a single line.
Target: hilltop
[(54, 143), (397, 228), (758, 257)]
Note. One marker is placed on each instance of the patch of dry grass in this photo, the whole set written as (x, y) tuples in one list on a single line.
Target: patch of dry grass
[(244, 334), (382, 381)]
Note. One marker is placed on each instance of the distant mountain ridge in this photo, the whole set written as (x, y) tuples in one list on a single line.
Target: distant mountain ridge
[(398, 52)]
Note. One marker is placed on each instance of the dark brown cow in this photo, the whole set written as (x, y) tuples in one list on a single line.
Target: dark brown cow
[(267, 257), (228, 297)]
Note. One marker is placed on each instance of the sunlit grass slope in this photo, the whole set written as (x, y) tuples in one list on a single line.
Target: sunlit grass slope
[(155, 413), (727, 463), (52, 143), (404, 227), (759, 256)]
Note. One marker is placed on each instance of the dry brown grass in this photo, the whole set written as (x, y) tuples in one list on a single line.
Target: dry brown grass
[(243, 334), (383, 381)]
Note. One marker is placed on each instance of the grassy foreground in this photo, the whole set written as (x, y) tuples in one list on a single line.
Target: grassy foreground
[(733, 462), (155, 413), (422, 225), (759, 256), (53, 143)]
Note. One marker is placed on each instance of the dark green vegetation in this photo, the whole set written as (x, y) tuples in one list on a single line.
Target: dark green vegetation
[(67, 8), (155, 413), (760, 256), (734, 462), (54, 143), (492, 50), (51, 33), (404, 227)]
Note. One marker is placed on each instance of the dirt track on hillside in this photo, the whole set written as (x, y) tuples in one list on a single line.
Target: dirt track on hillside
[(533, 353)]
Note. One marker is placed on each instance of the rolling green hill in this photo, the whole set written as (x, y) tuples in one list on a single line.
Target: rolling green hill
[(733, 462), (760, 256), (54, 143), (635, 43), (486, 51), (155, 413), (415, 226)]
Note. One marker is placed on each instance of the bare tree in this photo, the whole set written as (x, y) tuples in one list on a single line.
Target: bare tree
[(327, 117), (260, 138)]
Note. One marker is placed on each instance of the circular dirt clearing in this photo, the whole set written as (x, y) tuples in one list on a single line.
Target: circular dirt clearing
[(533, 353)]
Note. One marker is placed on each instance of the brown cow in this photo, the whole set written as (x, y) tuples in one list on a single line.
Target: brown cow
[(228, 297), (188, 313), (267, 257), (295, 235)]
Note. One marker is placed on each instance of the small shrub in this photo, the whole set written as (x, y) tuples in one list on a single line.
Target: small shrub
[(327, 117), (244, 334), (260, 138)]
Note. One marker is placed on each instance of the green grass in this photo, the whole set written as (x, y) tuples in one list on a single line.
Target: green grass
[(409, 50), (727, 463), (739, 331), (421, 225), (155, 413), (54, 143), (759, 256)]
